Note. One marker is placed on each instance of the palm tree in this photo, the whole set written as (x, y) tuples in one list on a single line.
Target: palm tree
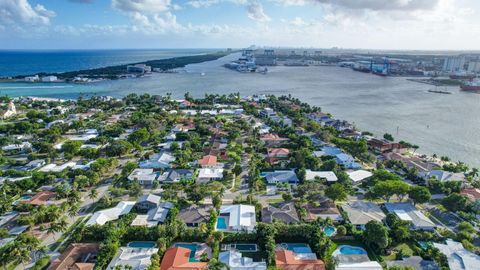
[(93, 194), (214, 264), (203, 228)]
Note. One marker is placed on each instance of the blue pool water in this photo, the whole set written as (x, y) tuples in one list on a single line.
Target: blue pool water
[(424, 245), (192, 247), (221, 223), (297, 247), (351, 250), (142, 244), (329, 231)]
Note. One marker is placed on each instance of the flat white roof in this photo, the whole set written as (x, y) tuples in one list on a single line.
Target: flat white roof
[(359, 175), (329, 175)]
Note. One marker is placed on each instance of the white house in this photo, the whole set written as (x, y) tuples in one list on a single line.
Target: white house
[(408, 212), (327, 175), (458, 257), (359, 175), (49, 79), (17, 147), (238, 217), (209, 174), (135, 258), (158, 161), (234, 260), (106, 215), (443, 176), (144, 176)]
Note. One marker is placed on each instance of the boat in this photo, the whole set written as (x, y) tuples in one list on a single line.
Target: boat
[(439, 92), (462, 76), (473, 85)]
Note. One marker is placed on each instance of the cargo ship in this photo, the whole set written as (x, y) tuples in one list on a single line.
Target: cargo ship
[(473, 85)]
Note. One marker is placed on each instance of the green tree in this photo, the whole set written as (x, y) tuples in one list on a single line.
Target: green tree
[(388, 137), (376, 235), (419, 194), (336, 192), (455, 202)]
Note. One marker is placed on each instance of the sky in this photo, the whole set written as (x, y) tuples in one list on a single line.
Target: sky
[(362, 24)]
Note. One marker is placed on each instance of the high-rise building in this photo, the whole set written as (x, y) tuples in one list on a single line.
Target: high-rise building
[(474, 66), (454, 64)]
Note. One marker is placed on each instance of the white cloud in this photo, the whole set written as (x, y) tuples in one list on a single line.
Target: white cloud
[(255, 11), (202, 3), (146, 6), (20, 14), (383, 4)]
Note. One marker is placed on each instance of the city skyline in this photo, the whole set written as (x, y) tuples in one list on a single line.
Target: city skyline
[(117, 24)]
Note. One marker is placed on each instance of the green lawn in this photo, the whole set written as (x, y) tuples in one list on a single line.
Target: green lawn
[(404, 247)]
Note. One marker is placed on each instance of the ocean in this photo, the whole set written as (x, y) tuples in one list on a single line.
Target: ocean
[(442, 124), (13, 63)]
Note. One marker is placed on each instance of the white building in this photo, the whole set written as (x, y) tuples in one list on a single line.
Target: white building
[(474, 66), (209, 174), (158, 161), (17, 147), (454, 64), (106, 215), (458, 257), (359, 176), (238, 217), (49, 79), (327, 175), (32, 78), (144, 176), (136, 258), (11, 110), (234, 260)]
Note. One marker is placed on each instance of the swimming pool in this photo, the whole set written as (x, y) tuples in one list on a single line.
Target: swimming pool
[(142, 244), (221, 223), (350, 250), (193, 250), (329, 231), (297, 247), (241, 247)]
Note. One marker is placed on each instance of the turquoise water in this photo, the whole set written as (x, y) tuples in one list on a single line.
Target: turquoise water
[(351, 250), (221, 223), (329, 231), (192, 247), (246, 247), (424, 245), (298, 247), (142, 244)]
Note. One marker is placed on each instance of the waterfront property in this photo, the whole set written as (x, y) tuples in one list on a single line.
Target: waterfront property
[(408, 212), (238, 217)]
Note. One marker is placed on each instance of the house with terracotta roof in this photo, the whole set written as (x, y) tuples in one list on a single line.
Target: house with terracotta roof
[(78, 256), (178, 258), (276, 155), (208, 161), (288, 260), (272, 139), (326, 209), (472, 194), (41, 198)]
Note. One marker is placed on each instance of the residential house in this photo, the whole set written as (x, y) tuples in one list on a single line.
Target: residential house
[(267, 112), (147, 202), (384, 146), (41, 198), (347, 161), (355, 262), (276, 155), (237, 217), (284, 212), (144, 176), (206, 175), (458, 257), (408, 212), (103, 216), (473, 194), (327, 175), (194, 215), (326, 209), (272, 139), (178, 258), (360, 213), (234, 260), (328, 151), (158, 161), (443, 176), (35, 164), (359, 176), (208, 161), (318, 117), (176, 175), (77, 256), (419, 164), (276, 177), (133, 258), (289, 260), (17, 147), (154, 216), (414, 262)]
